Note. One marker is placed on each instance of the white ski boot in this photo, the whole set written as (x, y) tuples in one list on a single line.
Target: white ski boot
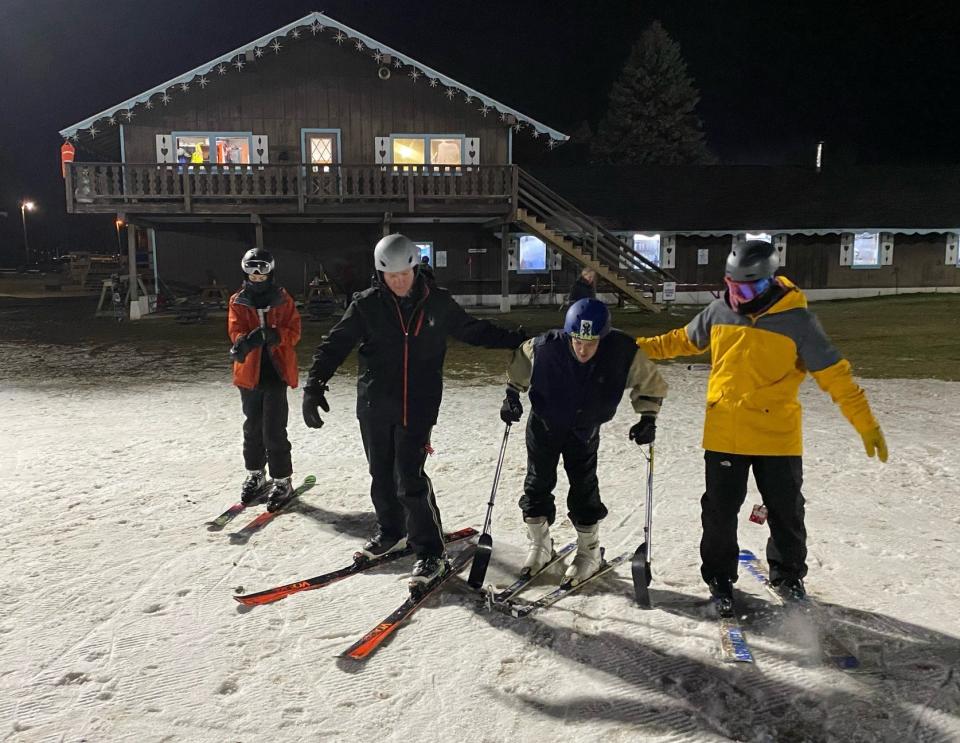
[(540, 551), (588, 558)]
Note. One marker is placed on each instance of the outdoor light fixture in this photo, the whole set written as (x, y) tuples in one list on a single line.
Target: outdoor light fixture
[(119, 224), (26, 206), (819, 155)]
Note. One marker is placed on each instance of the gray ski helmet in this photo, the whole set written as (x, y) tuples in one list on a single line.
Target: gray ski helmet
[(753, 260), (257, 261), (395, 253)]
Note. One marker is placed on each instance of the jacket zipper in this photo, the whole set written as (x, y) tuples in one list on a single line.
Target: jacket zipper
[(406, 341)]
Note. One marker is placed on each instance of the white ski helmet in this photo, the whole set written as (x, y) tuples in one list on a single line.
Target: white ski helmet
[(395, 253)]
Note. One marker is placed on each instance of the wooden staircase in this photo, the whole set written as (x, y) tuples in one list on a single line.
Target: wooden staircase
[(557, 222)]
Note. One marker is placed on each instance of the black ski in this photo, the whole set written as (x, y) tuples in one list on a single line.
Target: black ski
[(366, 645), (360, 564), (520, 608), (525, 580), (833, 648)]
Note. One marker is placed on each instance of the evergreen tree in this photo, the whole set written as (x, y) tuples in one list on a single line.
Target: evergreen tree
[(651, 116)]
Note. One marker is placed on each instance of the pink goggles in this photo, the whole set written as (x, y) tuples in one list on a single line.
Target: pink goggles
[(744, 291)]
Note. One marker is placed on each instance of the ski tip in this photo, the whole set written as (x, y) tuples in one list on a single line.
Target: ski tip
[(747, 556)]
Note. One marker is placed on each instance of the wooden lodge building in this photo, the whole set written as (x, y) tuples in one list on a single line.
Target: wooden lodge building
[(315, 140)]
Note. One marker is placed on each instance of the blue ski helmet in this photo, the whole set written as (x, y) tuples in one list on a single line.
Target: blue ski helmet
[(587, 320)]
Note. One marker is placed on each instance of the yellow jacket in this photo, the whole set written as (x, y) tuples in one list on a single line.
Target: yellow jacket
[(758, 364)]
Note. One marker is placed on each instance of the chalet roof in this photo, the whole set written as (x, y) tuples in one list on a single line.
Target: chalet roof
[(723, 200), (316, 24)]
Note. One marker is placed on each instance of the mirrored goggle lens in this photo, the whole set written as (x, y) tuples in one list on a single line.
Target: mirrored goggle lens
[(257, 267)]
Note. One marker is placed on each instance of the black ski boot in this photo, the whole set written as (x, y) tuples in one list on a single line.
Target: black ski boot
[(253, 487), (381, 544), (721, 593), (791, 589), (281, 494), (427, 571)]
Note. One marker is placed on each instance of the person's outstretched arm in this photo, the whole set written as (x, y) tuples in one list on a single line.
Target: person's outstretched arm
[(835, 377), (479, 332), (690, 340)]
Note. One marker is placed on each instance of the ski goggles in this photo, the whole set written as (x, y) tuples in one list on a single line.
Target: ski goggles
[(260, 268), (744, 291)]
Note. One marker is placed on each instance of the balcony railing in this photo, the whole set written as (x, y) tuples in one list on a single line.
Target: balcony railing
[(289, 188)]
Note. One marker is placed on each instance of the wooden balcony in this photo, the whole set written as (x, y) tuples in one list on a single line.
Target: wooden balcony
[(296, 188)]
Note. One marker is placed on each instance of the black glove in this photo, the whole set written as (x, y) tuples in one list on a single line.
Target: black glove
[(511, 410), (645, 431), (271, 336), (313, 398), (257, 337), (239, 350)]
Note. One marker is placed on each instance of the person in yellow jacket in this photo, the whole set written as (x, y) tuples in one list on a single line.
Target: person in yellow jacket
[(763, 341)]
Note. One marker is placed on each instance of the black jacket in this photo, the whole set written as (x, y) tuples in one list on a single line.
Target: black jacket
[(581, 289), (402, 347)]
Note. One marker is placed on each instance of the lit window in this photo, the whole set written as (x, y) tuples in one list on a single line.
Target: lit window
[(193, 150), (445, 151), (426, 251), (764, 236), (866, 249), (233, 150), (409, 151), (321, 150), (648, 246), (533, 254)]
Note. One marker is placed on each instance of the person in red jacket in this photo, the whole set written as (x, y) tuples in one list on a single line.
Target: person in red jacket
[(264, 327)]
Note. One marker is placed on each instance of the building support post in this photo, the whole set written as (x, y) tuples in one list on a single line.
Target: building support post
[(152, 240), (257, 231), (504, 265), (132, 286)]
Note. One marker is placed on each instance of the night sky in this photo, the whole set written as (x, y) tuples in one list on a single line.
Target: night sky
[(877, 81)]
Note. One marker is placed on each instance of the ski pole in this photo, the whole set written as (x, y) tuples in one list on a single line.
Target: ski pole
[(640, 566), (481, 558)]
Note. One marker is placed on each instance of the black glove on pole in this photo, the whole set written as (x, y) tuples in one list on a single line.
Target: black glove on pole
[(644, 432), (511, 410), (314, 398)]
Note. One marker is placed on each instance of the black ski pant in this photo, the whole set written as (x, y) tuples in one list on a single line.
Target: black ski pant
[(779, 480), (401, 492), (579, 451), (265, 429)]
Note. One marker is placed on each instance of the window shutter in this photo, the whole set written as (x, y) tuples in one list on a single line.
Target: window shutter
[(471, 151), (165, 152), (668, 251), (780, 243), (381, 150), (557, 263), (886, 248), (846, 249), (951, 256), (260, 155), (512, 256)]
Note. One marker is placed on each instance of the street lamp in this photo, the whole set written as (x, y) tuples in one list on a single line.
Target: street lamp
[(26, 206)]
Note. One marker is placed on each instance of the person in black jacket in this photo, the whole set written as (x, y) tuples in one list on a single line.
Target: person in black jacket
[(401, 324), (585, 287)]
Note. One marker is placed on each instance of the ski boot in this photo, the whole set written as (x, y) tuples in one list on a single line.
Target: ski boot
[(252, 487), (589, 556), (721, 593), (540, 551), (426, 572), (791, 589), (280, 495), (379, 545)]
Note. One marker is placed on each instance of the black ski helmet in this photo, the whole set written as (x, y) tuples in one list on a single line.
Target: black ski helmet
[(754, 260), (257, 261)]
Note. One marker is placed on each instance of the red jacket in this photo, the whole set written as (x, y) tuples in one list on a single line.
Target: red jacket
[(242, 318)]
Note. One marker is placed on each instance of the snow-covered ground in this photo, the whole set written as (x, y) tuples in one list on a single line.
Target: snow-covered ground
[(117, 621)]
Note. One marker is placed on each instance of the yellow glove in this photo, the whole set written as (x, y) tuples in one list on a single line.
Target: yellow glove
[(874, 443)]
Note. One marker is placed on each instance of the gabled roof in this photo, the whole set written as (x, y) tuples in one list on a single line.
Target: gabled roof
[(729, 199), (317, 24)]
